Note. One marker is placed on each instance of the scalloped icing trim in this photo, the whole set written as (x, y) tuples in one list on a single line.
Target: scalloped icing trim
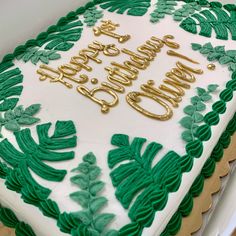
[(196, 189), (203, 203)]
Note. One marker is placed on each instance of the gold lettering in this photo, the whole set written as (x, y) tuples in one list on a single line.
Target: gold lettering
[(146, 50), (142, 61), (170, 44), (176, 54), (108, 28), (81, 61), (158, 93), (91, 54), (133, 98), (184, 67), (105, 105), (55, 76), (127, 68)]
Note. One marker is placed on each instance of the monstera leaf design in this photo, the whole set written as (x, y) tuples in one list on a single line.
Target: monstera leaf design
[(62, 36), (140, 187), (222, 21), (32, 157), (10, 88), (133, 7)]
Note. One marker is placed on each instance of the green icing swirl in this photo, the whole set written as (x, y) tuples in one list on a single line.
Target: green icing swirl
[(212, 118), (186, 163), (226, 95), (219, 107), (194, 149), (204, 132), (50, 208)]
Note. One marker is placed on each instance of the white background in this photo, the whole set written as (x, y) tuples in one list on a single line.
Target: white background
[(21, 20)]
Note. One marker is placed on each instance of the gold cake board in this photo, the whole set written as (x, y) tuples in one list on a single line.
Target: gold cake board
[(202, 203), (212, 185), (4, 231)]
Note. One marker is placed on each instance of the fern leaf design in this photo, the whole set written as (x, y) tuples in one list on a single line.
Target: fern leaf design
[(222, 21), (218, 53), (89, 220), (10, 88), (194, 118), (137, 178), (133, 7), (12, 120), (33, 154)]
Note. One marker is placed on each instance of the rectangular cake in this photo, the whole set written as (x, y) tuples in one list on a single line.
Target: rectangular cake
[(112, 119)]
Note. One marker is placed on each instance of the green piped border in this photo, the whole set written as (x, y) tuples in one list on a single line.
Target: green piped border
[(194, 149)]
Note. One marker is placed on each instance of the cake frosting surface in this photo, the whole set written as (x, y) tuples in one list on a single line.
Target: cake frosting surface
[(132, 107)]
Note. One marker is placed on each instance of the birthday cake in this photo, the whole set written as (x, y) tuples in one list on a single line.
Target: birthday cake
[(112, 119)]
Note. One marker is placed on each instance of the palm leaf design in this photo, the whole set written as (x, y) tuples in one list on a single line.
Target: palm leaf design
[(137, 178), (33, 155), (133, 7), (10, 88), (222, 21)]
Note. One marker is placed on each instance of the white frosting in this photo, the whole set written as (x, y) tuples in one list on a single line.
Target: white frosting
[(95, 129)]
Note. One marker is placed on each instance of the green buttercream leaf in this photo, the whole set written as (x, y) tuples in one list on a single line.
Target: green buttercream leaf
[(232, 66), (212, 87), (231, 53), (200, 91), (220, 49), (83, 168), (9, 115), (197, 117), (195, 100), (27, 120), (186, 122), (94, 172), (214, 56), (12, 125), (96, 187), (90, 158), (35, 59), (187, 136), (102, 220), (189, 110), (54, 56), (97, 203), (225, 60), (84, 216), (32, 110), (206, 97), (200, 106), (18, 111), (81, 197), (81, 180), (196, 46)]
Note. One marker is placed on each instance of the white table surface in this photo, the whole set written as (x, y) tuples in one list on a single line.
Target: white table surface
[(22, 20)]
